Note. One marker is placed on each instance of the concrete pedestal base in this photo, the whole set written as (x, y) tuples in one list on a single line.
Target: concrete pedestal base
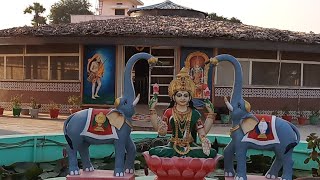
[(250, 177), (99, 175)]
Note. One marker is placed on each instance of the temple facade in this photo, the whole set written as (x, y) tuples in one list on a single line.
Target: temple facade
[(280, 68)]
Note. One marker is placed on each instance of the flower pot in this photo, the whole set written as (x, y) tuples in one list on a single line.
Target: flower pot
[(34, 113), (54, 113), (74, 110), (1, 111), (314, 120), (16, 112), (302, 120), (287, 117), (225, 118)]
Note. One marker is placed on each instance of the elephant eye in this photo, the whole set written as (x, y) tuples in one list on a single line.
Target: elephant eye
[(239, 105), (125, 102)]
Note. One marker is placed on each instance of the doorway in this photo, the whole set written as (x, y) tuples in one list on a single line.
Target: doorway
[(140, 73)]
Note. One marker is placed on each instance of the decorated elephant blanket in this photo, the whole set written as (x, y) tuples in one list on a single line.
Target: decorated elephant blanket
[(98, 125), (264, 132)]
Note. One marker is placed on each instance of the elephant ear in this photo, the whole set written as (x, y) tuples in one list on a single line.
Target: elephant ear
[(116, 119), (248, 124)]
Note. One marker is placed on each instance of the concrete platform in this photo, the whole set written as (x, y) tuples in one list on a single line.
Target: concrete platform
[(100, 175)]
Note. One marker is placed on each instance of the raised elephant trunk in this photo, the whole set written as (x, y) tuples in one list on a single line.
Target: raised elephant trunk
[(237, 84), (128, 84)]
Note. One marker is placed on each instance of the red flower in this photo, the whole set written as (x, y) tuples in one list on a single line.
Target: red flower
[(155, 88)]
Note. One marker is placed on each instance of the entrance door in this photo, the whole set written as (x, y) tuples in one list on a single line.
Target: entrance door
[(140, 73)]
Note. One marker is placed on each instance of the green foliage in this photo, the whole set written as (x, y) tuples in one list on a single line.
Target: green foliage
[(74, 100), (61, 11), (34, 104), (37, 9), (314, 145), (16, 101), (54, 105), (214, 16)]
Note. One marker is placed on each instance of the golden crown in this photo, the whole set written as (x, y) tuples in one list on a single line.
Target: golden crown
[(183, 82)]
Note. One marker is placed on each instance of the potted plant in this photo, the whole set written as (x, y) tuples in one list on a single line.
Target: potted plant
[(54, 109), (34, 111), (314, 117), (301, 119), (1, 111), (75, 102), (286, 115), (16, 105), (314, 144)]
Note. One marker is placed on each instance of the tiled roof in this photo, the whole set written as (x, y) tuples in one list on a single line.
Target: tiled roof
[(164, 5), (164, 26)]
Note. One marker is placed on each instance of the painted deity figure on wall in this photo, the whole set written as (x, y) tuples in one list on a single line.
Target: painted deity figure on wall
[(95, 71), (197, 77), (183, 120)]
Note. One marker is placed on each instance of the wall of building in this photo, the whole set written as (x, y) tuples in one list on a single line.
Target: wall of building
[(109, 6)]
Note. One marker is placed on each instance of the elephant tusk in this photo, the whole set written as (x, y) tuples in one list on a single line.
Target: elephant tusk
[(135, 102), (229, 106)]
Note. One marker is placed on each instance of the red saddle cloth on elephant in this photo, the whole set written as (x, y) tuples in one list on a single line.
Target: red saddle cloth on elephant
[(264, 132), (98, 125)]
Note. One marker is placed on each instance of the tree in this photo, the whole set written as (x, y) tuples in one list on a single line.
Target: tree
[(37, 9), (214, 16), (61, 11)]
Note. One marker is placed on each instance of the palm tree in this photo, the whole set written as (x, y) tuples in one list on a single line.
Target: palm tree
[(37, 8)]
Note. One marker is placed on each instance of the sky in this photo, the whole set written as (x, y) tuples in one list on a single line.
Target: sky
[(293, 15)]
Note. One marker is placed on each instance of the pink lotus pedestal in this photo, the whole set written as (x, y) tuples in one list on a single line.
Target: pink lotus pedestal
[(180, 168), (99, 175)]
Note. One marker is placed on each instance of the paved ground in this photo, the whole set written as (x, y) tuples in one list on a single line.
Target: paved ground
[(10, 125)]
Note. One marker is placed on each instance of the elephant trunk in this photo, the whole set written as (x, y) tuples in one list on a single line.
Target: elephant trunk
[(237, 84), (128, 84)]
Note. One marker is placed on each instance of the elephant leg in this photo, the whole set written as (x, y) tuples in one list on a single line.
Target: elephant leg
[(287, 166), (228, 154), (130, 156), (85, 157), (73, 161), (275, 167), (119, 156), (241, 157)]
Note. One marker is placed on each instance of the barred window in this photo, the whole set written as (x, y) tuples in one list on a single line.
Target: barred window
[(36, 67), (14, 67), (64, 67)]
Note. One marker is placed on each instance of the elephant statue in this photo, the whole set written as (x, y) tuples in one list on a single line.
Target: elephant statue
[(252, 131), (103, 126)]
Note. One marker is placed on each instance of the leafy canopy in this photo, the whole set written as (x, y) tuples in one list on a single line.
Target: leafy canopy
[(214, 16), (61, 11), (37, 9)]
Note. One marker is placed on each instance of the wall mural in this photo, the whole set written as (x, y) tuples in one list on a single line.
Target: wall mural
[(195, 60), (99, 75)]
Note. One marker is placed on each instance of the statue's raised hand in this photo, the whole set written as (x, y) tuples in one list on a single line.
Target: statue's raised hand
[(153, 102), (209, 106)]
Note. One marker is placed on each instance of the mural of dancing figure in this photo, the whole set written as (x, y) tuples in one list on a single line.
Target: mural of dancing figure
[(95, 71)]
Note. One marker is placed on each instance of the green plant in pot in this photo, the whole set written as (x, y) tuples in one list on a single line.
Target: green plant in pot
[(54, 109), (286, 115), (75, 102), (314, 145), (314, 117), (16, 105), (34, 111), (301, 118), (1, 110)]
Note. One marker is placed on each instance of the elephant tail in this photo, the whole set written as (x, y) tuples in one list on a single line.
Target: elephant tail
[(65, 131), (292, 145)]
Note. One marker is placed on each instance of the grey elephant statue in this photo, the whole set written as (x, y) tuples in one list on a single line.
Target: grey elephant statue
[(249, 131), (105, 126)]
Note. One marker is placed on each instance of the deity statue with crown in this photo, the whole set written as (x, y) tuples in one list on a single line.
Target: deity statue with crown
[(183, 121)]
